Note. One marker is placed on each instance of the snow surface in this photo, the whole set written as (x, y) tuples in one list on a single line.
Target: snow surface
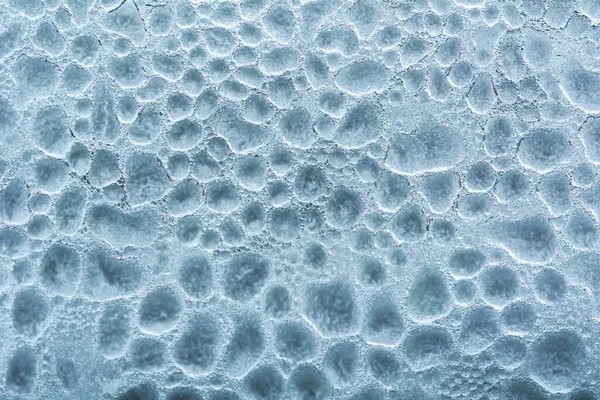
[(246, 199)]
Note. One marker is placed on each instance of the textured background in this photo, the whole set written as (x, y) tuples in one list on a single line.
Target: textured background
[(299, 200)]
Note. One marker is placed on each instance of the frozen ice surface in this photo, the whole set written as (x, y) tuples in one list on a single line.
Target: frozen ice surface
[(300, 199)]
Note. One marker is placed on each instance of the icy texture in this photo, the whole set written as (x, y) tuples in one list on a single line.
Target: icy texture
[(300, 199)]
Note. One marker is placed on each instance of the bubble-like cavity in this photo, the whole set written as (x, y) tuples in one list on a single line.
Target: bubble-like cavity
[(429, 297), (583, 395), (296, 128), (284, 224), (222, 197), (581, 231), (466, 263), (437, 85), (85, 49), (337, 40), (448, 52), (67, 373), (512, 185), (258, 109), (107, 277), (22, 371), (204, 167), (474, 205), (543, 150), (306, 381), (222, 394), (440, 191), (39, 227), (482, 96), (279, 61), (145, 391), (499, 285), (344, 207), (333, 103), (127, 71), (591, 199), (579, 85), (265, 382), (245, 347), (9, 118), (120, 229), (525, 389), (500, 135), (279, 193), (281, 92), (187, 229), (250, 171), (13, 203), (60, 269), (590, 135), (341, 363), (557, 360), (198, 346), (433, 148), (383, 323), (160, 310), (280, 23), (360, 126), (169, 67), (442, 230), (555, 192), (210, 240), (30, 312), (413, 50), (35, 76), (317, 71), (461, 74), (332, 309), (127, 109), (114, 329), (384, 366), (253, 218), (478, 331), (104, 168), (362, 77), (427, 347), (178, 166), (126, 21), (409, 225), (146, 128), (13, 242), (184, 198), (145, 178), (242, 136), (510, 351), (50, 174), (368, 169), (391, 191), (531, 240), (550, 286), (518, 318), (196, 277), (295, 342), (370, 272), (278, 301), (148, 355), (362, 241), (315, 256), (245, 275), (464, 291), (50, 131)]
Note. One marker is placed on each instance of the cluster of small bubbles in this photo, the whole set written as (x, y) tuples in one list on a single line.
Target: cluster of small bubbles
[(310, 199)]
